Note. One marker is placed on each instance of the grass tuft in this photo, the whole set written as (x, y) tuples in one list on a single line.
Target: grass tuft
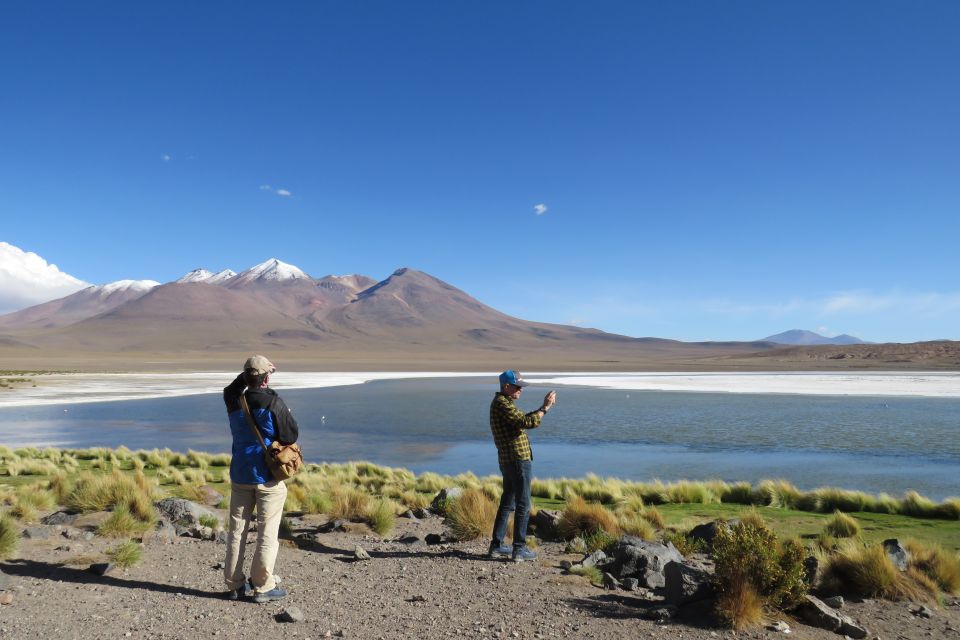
[(580, 518), (842, 526), (592, 573), (9, 537), (126, 555), (382, 516), (471, 515)]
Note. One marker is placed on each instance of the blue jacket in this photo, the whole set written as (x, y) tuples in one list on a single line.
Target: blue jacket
[(248, 464)]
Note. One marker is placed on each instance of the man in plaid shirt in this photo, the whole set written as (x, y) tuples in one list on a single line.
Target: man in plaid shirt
[(509, 425)]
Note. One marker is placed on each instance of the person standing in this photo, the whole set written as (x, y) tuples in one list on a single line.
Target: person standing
[(509, 426), (252, 484)]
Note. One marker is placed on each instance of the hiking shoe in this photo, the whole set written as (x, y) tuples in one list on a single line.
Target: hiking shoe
[(274, 594), (522, 554), (502, 550), (245, 591)]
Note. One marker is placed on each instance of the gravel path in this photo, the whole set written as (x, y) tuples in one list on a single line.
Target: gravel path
[(403, 591)]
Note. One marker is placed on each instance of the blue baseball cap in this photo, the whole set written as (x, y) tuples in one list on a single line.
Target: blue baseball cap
[(512, 377)]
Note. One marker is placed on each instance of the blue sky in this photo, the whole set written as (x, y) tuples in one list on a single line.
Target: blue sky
[(709, 170)]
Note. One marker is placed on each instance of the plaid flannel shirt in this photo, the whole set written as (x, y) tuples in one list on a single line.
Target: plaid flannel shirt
[(509, 426)]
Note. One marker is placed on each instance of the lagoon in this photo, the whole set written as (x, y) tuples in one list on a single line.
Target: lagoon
[(873, 443)]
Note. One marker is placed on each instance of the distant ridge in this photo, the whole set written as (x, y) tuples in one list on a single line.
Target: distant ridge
[(802, 337)]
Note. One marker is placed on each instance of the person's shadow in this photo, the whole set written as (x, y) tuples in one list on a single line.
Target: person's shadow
[(50, 571)]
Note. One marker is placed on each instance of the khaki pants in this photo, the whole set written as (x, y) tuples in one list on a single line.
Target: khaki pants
[(268, 498)]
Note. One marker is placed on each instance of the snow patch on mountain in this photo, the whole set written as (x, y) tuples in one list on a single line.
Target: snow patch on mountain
[(272, 270), (26, 279), (128, 285), (202, 275)]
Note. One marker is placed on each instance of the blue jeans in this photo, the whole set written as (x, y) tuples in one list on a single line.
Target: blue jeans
[(516, 497)]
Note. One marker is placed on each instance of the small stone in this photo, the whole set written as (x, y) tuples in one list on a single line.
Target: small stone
[(834, 601), (609, 582), (360, 554), (660, 614), (851, 629), (779, 626), (417, 598), (409, 514), (291, 614), (923, 611), (434, 538), (410, 540), (630, 584), (6, 598)]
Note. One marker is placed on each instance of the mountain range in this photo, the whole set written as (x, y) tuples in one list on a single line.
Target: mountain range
[(409, 320), (804, 337)]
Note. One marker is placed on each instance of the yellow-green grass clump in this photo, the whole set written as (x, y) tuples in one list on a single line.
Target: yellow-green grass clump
[(471, 515), (348, 503), (9, 537), (122, 524), (938, 564), (580, 518), (867, 571), (842, 526), (382, 516), (591, 573), (126, 554)]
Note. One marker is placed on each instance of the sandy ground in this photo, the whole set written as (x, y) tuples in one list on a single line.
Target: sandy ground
[(404, 591), (72, 388)]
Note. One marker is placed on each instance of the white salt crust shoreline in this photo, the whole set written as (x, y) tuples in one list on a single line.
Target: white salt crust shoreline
[(77, 388)]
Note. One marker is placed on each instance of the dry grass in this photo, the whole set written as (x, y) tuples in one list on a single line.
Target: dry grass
[(867, 571), (348, 503), (592, 573), (636, 525), (121, 524), (842, 526), (9, 537), (581, 518), (740, 606), (126, 554), (382, 516), (938, 564), (654, 517), (471, 515)]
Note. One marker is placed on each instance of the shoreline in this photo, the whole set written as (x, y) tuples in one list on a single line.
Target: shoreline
[(76, 388)]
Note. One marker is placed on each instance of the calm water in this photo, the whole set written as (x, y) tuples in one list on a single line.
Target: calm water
[(868, 443)]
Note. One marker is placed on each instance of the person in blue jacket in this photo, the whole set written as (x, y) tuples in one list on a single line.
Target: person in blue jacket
[(252, 484)]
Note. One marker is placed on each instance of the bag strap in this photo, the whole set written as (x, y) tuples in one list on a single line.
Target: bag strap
[(252, 422)]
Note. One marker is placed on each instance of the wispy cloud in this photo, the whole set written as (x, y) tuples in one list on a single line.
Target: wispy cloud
[(540, 209), (909, 302), (166, 157), (284, 193)]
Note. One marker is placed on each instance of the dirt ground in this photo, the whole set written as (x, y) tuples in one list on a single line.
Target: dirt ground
[(404, 591)]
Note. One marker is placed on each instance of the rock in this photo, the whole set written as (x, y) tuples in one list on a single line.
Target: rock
[(291, 614), (897, 553), (6, 598), (705, 533), (685, 583), (835, 602), (438, 505), (814, 612), (660, 614), (630, 584), (577, 545), (409, 514), (360, 554), (101, 568), (210, 496), (417, 598), (221, 537), (163, 533), (545, 522), (609, 582), (434, 538), (779, 626), (636, 558), (60, 517), (88, 536), (411, 540), (566, 565), (72, 534), (922, 611), (851, 629), (182, 512), (36, 533), (331, 526), (595, 559)]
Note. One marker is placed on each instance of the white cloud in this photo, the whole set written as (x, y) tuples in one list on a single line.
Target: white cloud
[(166, 157), (266, 187), (283, 192), (540, 209), (27, 279)]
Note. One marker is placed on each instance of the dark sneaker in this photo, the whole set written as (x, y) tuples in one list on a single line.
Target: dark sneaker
[(522, 554), (245, 591), (502, 550), (274, 594)]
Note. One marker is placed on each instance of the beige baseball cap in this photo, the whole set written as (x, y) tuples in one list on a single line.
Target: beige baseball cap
[(259, 365)]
